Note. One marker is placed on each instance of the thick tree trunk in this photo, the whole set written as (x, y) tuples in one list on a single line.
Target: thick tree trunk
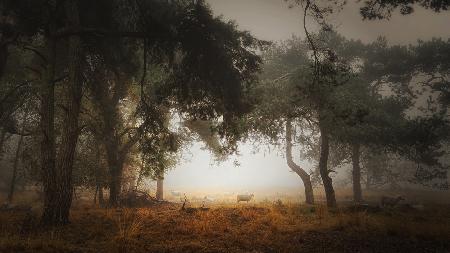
[(160, 189), (70, 132), (306, 178), (357, 192), (3, 58), (116, 154), (7, 36), (323, 166), (115, 186), (49, 175), (109, 111), (115, 164), (16, 162)]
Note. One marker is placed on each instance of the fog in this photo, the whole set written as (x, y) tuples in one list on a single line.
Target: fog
[(273, 20), (224, 126)]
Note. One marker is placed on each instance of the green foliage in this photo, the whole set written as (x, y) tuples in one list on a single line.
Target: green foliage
[(350, 98), (382, 9)]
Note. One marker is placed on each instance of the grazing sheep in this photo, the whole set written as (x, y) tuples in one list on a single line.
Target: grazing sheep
[(390, 202), (208, 199), (244, 197)]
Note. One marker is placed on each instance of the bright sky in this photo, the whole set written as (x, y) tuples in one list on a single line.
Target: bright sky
[(273, 20), (260, 170)]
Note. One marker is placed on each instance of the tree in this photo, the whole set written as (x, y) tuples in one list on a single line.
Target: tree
[(414, 73), (382, 9), (275, 111), (16, 159), (64, 38), (306, 178)]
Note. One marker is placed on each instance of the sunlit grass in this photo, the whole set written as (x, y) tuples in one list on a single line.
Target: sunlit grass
[(271, 227)]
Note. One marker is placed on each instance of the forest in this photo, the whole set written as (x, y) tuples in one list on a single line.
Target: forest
[(100, 100)]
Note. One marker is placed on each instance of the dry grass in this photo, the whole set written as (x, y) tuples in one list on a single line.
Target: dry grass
[(233, 228)]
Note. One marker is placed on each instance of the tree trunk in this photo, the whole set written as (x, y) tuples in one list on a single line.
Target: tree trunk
[(357, 192), (159, 189), (49, 175), (115, 186), (306, 178), (101, 200), (115, 164), (368, 178), (70, 132), (3, 58), (2, 141), (98, 180), (323, 166), (16, 161), (95, 195)]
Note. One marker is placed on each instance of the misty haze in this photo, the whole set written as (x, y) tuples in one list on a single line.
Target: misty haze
[(224, 126)]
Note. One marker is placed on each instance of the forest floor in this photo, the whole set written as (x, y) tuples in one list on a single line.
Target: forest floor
[(269, 227)]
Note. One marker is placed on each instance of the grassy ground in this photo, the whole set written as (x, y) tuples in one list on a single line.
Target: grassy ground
[(232, 228)]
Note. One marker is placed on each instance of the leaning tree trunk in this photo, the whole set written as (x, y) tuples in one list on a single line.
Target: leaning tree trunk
[(160, 189), (16, 162), (323, 166), (306, 178), (357, 192)]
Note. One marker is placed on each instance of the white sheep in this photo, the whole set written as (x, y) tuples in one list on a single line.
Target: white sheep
[(176, 193), (209, 199), (244, 197)]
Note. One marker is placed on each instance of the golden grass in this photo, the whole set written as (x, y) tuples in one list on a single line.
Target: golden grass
[(234, 228)]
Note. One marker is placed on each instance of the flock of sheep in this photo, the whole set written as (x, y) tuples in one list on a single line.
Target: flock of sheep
[(385, 201), (247, 197)]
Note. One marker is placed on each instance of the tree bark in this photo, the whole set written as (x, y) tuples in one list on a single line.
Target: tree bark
[(323, 165), (70, 132), (108, 106), (47, 121), (3, 58), (159, 189), (115, 164), (98, 180), (306, 178), (16, 161), (3, 138), (101, 200), (95, 194), (115, 186), (357, 192), (368, 178)]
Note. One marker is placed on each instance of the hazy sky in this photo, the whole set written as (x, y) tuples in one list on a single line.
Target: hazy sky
[(273, 20)]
